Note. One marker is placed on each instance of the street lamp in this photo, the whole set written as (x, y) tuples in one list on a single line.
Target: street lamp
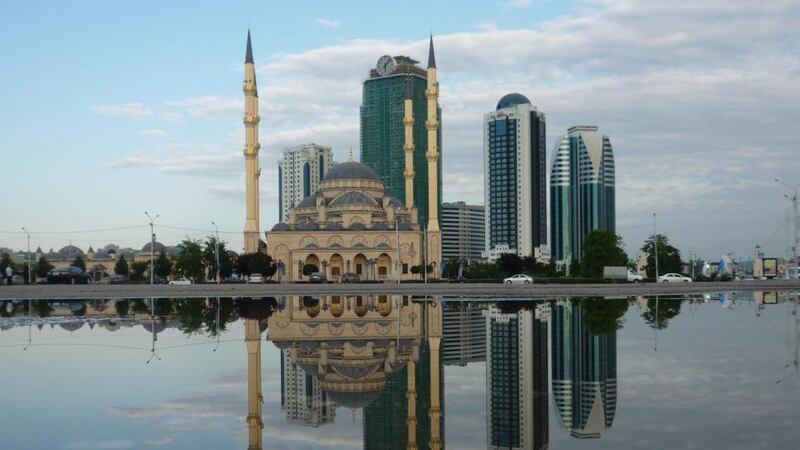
[(152, 244), (216, 248), (655, 243), (793, 198), (28, 255)]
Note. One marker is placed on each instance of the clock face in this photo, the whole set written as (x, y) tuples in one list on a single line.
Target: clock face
[(386, 65)]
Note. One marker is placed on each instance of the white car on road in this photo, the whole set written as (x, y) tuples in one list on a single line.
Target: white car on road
[(182, 281), (673, 278), (519, 278), (255, 278)]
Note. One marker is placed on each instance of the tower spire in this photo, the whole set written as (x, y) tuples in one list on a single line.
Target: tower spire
[(252, 146), (433, 233), (431, 55), (248, 57)]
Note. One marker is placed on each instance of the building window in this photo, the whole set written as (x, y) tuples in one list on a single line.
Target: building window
[(405, 268)]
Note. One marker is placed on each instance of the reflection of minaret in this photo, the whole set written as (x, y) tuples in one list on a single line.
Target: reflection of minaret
[(434, 331), (302, 397), (252, 333), (584, 373), (252, 146), (464, 335), (517, 415)]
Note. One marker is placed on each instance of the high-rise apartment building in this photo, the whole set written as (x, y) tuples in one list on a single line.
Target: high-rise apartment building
[(582, 194), (302, 397), (464, 334), (514, 164), (584, 372), (517, 415), (299, 174), (382, 128), (463, 231)]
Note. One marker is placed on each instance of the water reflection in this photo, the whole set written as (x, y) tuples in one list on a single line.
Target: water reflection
[(384, 362)]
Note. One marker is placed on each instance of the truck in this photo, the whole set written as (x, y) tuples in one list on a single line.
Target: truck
[(621, 273), (770, 268)]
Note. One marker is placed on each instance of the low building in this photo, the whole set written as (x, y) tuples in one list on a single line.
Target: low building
[(463, 231)]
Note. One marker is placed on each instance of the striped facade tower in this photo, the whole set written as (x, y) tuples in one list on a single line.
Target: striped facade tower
[(252, 146), (408, 145)]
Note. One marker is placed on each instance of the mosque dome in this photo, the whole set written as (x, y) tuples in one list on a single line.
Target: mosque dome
[(308, 202), (353, 400), (351, 170), (70, 251), (394, 201), (282, 227), (307, 225), (353, 198), (159, 247), (512, 100)]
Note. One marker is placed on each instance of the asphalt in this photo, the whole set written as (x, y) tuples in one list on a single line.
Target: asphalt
[(519, 292)]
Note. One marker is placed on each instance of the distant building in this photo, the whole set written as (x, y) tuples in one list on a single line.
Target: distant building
[(517, 412), (302, 397), (582, 195), (514, 163), (540, 254), (463, 231), (382, 129), (464, 337), (299, 174)]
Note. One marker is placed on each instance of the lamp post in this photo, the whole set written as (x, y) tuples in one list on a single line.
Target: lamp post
[(216, 247), (152, 244), (28, 255), (793, 198), (655, 243)]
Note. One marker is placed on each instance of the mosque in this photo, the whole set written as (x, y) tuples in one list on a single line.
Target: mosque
[(350, 225)]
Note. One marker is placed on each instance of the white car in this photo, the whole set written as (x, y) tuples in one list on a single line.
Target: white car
[(519, 278), (256, 278), (673, 278), (181, 281)]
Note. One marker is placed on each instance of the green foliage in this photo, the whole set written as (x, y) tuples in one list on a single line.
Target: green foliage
[(669, 257), (479, 270), (121, 266), (226, 263), (250, 263), (509, 264), (6, 261), (603, 317), (163, 265), (661, 311), (189, 262), (79, 262), (308, 269), (122, 307), (602, 248), (450, 269), (138, 268), (42, 267)]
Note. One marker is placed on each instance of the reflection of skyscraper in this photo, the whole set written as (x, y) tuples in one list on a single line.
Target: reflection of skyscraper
[(516, 379), (302, 397), (464, 339), (584, 373)]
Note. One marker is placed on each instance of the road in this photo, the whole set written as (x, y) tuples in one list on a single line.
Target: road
[(104, 291)]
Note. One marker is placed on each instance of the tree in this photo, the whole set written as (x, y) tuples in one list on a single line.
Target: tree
[(660, 311), (604, 316), (163, 265), (189, 262), (5, 261), (479, 270), (509, 264), (669, 257), (121, 267), (138, 268), (226, 263), (42, 267), (79, 263), (123, 307), (602, 248), (250, 263), (308, 269)]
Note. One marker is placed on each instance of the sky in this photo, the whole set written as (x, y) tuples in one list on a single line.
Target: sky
[(112, 109)]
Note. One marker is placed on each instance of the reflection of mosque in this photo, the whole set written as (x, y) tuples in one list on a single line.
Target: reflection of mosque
[(516, 378), (374, 352), (302, 397), (584, 373)]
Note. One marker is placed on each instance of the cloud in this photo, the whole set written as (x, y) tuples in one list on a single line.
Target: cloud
[(114, 444), (154, 133), (134, 109), (159, 442), (329, 23), (209, 106), (196, 165), (518, 3)]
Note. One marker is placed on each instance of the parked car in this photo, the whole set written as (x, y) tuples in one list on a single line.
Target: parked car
[(181, 281), (68, 275), (117, 279), (621, 273), (350, 277), (673, 278), (316, 277), (519, 278), (255, 278)]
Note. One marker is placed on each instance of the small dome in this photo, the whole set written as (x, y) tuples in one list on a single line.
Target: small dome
[(357, 226), (70, 251), (351, 170), (380, 226), (353, 198), (308, 202), (405, 226), (282, 227), (102, 257), (307, 225), (158, 248), (353, 400), (262, 244), (334, 226), (512, 100), (394, 201)]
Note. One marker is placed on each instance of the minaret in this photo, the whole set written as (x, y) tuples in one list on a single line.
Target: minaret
[(432, 124), (252, 146), (411, 396), (252, 336), (408, 146), (434, 330)]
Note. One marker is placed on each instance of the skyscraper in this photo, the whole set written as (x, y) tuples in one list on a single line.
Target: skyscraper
[(302, 397), (463, 231), (517, 415), (582, 196), (299, 174), (514, 176), (251, 149), (382, 128), (584, 373), (464, 337)]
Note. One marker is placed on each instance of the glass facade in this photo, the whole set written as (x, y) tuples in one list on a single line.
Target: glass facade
[(383, 136), (503, 182)]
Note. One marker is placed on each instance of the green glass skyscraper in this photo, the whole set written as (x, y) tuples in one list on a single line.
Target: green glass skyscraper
[(382, 129)]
